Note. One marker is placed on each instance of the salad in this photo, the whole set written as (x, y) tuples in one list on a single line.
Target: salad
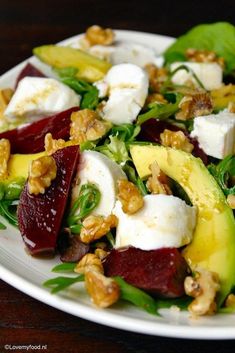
[(121, 163)]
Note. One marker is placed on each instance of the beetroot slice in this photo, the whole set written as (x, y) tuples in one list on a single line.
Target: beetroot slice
[(160, 272), (152, 128), (30, 138), (40, 216), (28, 70)]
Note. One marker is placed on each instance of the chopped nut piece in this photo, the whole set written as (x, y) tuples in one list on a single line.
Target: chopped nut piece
[(103, 291), (158, 182), (130, 196), (155, 98), (203, 287), (98, 35), (231, 201), (230, 301), (41, 173), (5, 152), (86, 126), (52, 145), (101, 254), (157, 76), (231, 107), (204, 56), (199, 103), (95, 227), (89, 262), (176, 139)]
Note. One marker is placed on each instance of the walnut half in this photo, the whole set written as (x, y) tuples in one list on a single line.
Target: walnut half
[(98, 35), (157, 183), (52, 145), (130, 196), (95, 227), (87, 126), (176, 139), (203, 287), (41, 173), (103, 291)]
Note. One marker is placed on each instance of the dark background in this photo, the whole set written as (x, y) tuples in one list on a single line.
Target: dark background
[(24, 25)]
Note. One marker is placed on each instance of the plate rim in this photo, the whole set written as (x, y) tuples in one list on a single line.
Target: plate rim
[(104, 317)]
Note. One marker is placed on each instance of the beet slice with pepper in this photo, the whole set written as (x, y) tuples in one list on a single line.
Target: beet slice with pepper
[(159, 272), (30, 138), (40, 216)]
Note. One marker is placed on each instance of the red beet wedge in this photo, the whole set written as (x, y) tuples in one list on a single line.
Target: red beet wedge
[(29, 70), (160, 272), (30, 138), (40, 216)]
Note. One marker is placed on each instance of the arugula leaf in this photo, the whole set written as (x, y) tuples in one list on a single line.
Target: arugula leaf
[(136, 296), (87, 201), (160, 111), (64, 267), (89, 93), (79, 86), (8, 210), (58, 284), (222, 172), (90, 99), (218, 37)]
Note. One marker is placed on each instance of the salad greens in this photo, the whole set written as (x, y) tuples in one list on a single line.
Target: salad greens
[(161, 111), (218, 37), (60, 283), (223, 173), (88, 92), (9, 200), (116, 144), (87, 201)]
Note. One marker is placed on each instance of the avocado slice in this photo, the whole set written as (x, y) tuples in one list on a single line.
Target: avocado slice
[(89, 67), (213, 245), (18, 165)]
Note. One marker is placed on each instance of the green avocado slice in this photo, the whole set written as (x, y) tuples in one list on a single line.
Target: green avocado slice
[(89, 67), (213, 245)]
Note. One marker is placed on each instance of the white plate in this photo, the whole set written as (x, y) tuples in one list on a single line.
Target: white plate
[(27, 274)]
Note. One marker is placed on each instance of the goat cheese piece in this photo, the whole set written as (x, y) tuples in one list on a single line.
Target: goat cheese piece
[(102, 87), (164, 221), (128, 88), (37, 97), (210, 74), (125, 52), (96, 168), (215, 134)]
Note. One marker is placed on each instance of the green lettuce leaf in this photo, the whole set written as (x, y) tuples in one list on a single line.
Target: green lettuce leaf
[(218, 37)]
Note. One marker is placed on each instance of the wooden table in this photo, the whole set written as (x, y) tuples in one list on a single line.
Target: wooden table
[(23, 25)]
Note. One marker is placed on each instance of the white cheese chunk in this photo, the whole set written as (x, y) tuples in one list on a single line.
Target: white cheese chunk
[(128, 87), (37, 97), (215, 134), (102, 87), (210, 74), (125, 52), (164, 221), (96, 168)]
